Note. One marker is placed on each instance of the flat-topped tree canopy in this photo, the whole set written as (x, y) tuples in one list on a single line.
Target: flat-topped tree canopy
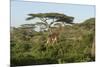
[(57, 17), (47, 20), (27, 26)]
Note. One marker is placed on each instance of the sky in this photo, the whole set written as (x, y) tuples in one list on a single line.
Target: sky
[(21, 9)]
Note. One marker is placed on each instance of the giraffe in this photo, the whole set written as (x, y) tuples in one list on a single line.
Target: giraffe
[(52, 38), (54, 35)]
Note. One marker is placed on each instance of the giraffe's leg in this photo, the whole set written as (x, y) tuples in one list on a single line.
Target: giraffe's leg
[(48, 41), (54, 40)]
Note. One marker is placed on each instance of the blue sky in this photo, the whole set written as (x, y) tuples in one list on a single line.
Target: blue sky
[(20, 9)]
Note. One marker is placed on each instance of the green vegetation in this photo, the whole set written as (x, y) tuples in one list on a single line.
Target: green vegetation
[(28, 47)]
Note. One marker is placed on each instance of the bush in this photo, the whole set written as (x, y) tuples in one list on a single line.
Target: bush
[(74, 45)]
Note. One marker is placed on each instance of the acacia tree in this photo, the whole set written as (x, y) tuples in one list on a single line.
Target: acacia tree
[(26, 30), (48, 19)]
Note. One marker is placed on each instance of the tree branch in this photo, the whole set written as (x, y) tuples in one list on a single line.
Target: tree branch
[(44, 20)]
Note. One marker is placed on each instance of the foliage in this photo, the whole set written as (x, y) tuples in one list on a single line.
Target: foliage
[(48, 19), (74, 45), (57, 16)]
